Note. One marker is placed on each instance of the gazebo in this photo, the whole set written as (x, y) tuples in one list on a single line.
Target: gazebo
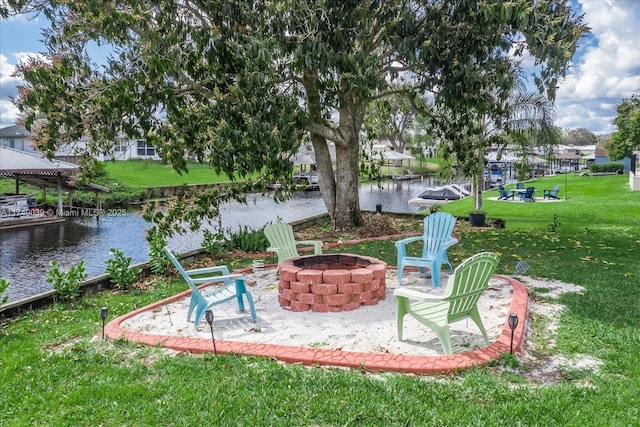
[(35, 169)]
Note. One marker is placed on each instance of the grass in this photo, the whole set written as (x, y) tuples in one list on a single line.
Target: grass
[(54, 372), (151, 173)]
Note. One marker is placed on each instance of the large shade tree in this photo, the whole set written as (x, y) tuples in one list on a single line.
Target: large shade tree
[(626, 138), (237, 84)]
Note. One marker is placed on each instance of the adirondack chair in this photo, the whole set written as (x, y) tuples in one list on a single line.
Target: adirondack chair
[(283, 242), (553, 194), (234, 288), (436, 238), (527, 196), (504, 194), (460, 299)]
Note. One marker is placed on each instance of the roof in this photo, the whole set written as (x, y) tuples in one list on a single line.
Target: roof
[(36, 169), (14, 161), (15, 131), (600, 151)]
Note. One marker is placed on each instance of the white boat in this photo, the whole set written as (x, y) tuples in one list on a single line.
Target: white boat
[(443, 194)]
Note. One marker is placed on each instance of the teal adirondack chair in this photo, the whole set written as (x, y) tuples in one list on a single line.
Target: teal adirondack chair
[(284, 244), (504, 194), (553, 194), (436, 239), (460, 299), (234, 288), (527, 196)]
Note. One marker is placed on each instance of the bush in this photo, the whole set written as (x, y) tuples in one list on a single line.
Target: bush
[(245, 239), (67, 284), (4, 284), (157, 258), (606, 167), (120, 271)]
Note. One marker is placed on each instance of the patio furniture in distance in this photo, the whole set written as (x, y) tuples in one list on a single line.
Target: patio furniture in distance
[(283, 242), (527, 196), (504, 195), (460, 299), (553, 194), (234, 288), (436, 238)]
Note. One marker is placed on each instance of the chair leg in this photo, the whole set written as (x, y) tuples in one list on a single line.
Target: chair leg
[(400, 267), (251, 307), (435, 274), (403, 309), (445, 340), (475, 316)]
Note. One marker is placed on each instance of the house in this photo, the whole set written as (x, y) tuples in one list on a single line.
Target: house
[(17, 137)]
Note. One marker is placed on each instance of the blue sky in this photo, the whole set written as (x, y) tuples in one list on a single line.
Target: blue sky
[(605, 70)]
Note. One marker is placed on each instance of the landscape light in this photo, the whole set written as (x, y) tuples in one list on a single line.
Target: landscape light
[(209, 316), (103, 316), (513, 322)]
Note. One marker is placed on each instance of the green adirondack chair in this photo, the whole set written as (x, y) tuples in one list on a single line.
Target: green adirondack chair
[(460, 299), (283, 242), (234, 288)]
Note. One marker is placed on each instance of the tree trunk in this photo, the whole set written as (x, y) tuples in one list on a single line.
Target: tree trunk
[(326, 180), (346, 213), (478, 186)]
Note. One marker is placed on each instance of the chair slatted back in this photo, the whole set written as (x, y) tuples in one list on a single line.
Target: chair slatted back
[(469, 280), (280, 235), (438, 228)]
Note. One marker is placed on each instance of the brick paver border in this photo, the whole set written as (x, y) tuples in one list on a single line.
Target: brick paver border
[(317, 356)]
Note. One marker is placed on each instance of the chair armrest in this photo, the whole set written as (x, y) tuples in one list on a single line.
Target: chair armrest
[(214, 279), (406, 240), (317, 245), (273, 249), (416, 295), (448, 243), (218, 269)]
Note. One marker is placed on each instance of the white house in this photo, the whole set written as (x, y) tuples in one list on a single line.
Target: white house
[(124, 149)]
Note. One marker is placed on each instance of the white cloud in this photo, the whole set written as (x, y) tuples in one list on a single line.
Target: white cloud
[(606, 68), (9, 86)]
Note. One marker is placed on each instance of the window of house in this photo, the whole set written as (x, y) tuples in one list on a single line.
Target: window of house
[(145, 149), (120, 147)]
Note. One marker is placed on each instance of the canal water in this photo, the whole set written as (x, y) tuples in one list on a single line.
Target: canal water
[(25, 253)]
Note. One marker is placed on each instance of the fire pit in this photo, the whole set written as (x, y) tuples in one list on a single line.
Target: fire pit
[(331, 283)]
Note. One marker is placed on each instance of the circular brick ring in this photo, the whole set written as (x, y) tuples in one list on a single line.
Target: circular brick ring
[(331, 282)]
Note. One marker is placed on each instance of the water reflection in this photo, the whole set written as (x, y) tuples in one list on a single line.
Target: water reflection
[(25, 254)]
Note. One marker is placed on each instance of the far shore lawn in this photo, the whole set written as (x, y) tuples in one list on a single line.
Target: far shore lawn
[(55, 371)]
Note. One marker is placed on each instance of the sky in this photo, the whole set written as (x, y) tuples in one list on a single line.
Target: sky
[(605, 69)]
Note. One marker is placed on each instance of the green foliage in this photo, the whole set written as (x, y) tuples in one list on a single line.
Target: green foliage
[(626, 138), (248, 240), (245, 239), (213, 243), (254, 78), (67, 283), (4, 284), (553, 225), (157, 258), (606, 167), (120, 270)]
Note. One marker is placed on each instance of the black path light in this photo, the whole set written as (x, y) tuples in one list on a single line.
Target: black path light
[(209, 316), (513, 322), (103, 316)]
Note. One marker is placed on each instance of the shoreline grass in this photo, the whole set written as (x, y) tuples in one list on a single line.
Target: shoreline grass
[(55, 372)]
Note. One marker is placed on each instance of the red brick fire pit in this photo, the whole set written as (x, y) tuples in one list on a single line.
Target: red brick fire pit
[(331, 283)]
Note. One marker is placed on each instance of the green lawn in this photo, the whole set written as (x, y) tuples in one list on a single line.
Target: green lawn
[(54, 373), (149, 173)]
